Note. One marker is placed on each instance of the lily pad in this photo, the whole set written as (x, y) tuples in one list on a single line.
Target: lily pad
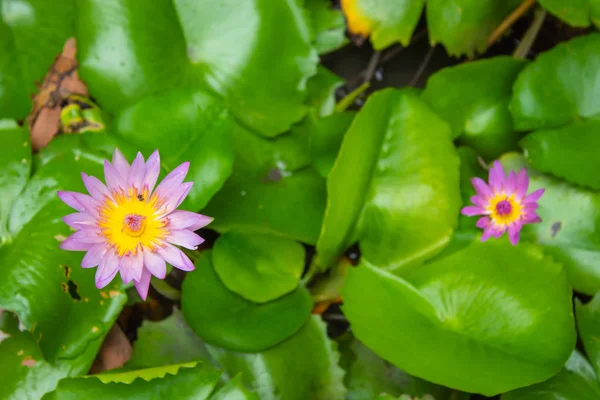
[(184, 126), (234, 390), (573, 12), (588, 324), (394, 185), (326, 136), (559, 86), (259, 268), (321, 91), (386, 22), (225, 319), (475, 106), (328, 25), (309, 356), (492, 316), (463, 26)]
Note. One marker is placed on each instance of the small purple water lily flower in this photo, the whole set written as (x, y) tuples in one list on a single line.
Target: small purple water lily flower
[(504, 203), (126, 226)]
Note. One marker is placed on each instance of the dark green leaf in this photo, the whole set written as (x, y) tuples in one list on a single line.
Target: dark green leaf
[(573, 12), (394, 185), (559, 86), (303, 367), (326, 136), (474, 98), (258, 267), (463, 26), (570, 152), (184, 126), (223, 318), (234, 390), (321, 91), (486, 319), (588, 324)]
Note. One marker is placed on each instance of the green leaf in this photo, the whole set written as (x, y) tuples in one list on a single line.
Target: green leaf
[(15, 166), (486, 319), (328, 25), (576, 380), (394, 185), (387, 22), (184, 126), (326, 136), (588, 325), (559, 86), (223, 318), (231, 47), (568, 230), (321, 91), (569, 152), (43, 284), (258, 267), (368, 375), (573, 12), (463, 26), (309, 356), (127, 50), (32, 34), (234, 390), (473, 98), (170, 341), (183, 381)]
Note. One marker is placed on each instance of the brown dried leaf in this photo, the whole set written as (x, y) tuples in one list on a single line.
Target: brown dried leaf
[(115, 351)]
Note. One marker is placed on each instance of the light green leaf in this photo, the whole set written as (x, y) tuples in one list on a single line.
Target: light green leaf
[(559, 86), (463, 26), (326, 136), (588, 324), (258, 267), (473, 98), (184, 126), (394, 185), (328, 25), (309, 356), (234, 390), (576, 380), (492, 317), (573, 12), (223, 318), (321, 91)]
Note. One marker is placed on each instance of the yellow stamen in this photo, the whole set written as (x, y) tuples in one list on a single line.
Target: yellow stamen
[(358, 23), (129, 222), (504, 217)]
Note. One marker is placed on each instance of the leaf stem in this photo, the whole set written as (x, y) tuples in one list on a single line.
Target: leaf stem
[(509, 21), (347, 101), (531, 34)]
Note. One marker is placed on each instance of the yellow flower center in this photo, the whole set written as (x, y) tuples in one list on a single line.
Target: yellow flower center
[(504, 209), (129, 222), (358, 23)]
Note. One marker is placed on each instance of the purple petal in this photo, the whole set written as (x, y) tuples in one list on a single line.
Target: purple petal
[(496, 177), (530, 207), (175, 257), (510, 186), (120, 164), (155, 264), (93, 256), (487, 233), (185, 238), (522, 184), (78, 201), (72, 244), (483, 222), (531, 218), (88, 235), (469, 211), (498, 230), (137, 172), (114, 181), (143, 285), (152, 171), (131, 267), (513, 232), (79, 220), (175, 198), (534, 196), (173, 180), (180, 219), (95, 187), (108, 268), (479, 201), (482, 188)]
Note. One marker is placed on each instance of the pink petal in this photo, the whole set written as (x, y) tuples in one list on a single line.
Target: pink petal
[(534, 196), (172, 181), (155, 264), (482, 188), (72, 244), (176, 198), (131, 267), (531, 218), (510, 186), (95, 187), (137, 172), (180, 219), (175, 257), (498, 230), (120, 164), (513, 232), (496, 177), (487, 233), (108, 268), (114, 181), (479, 201), (152, 171), (522, 184), (78, 201), (93, 256), (143, 284), (530, 207), (483, 222), (469, 211), (79, 220), (185, 238), (88, 235)]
